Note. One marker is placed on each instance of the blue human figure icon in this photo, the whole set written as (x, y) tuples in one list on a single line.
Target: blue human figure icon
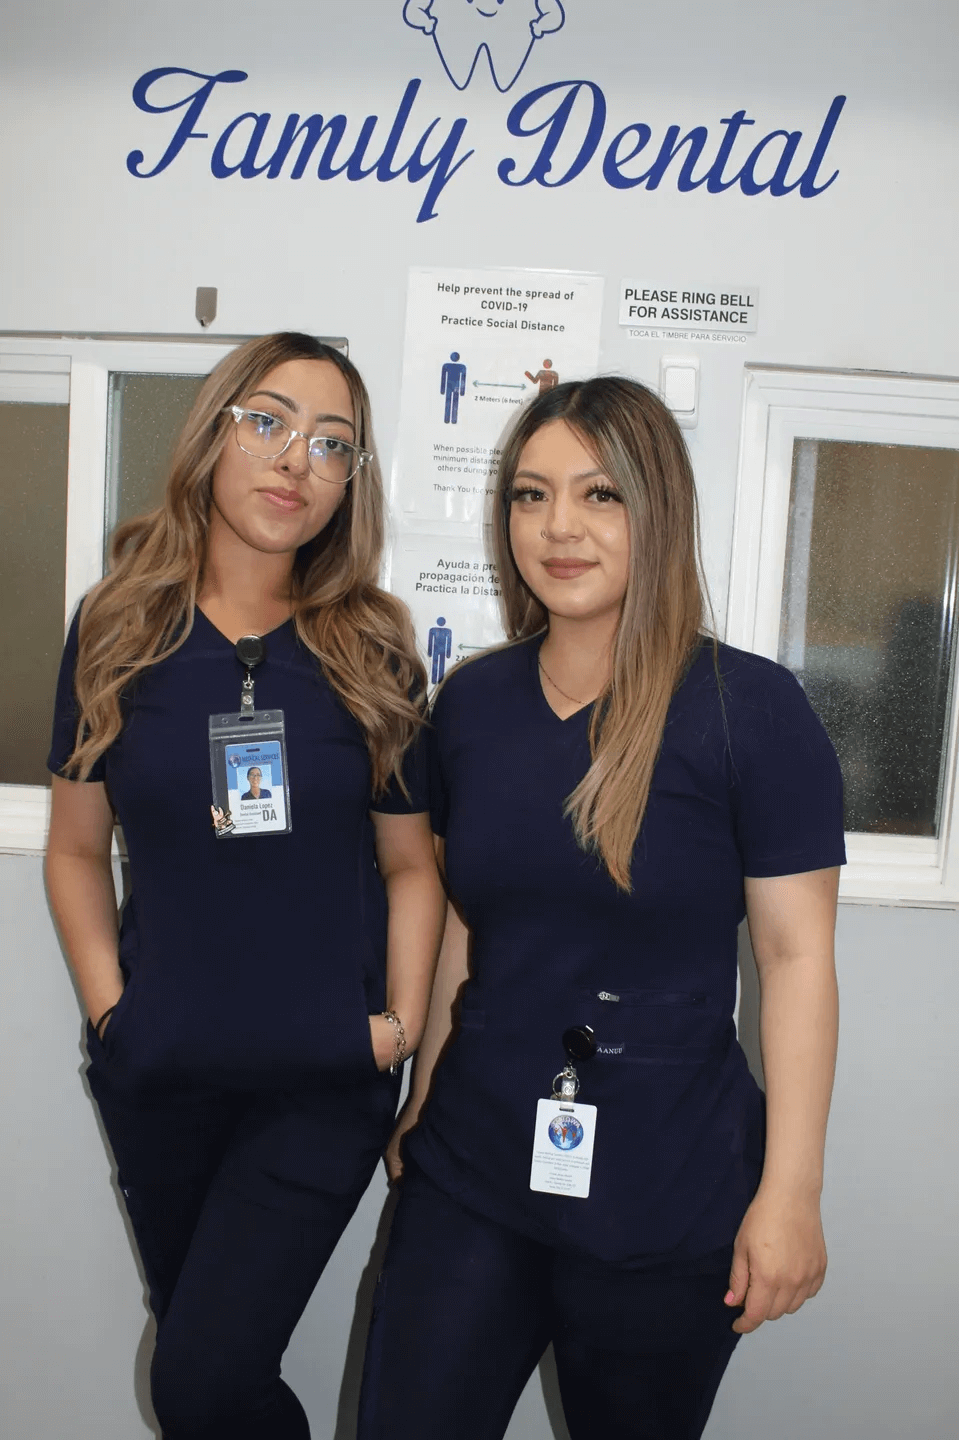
[(453, 385), (439, 647)]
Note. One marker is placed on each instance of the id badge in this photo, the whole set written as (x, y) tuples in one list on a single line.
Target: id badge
[(563, 1148), (251, 791)]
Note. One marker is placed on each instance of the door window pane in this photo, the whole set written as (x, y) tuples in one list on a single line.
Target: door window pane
[(33, 515), (147, 413), (869, 618)]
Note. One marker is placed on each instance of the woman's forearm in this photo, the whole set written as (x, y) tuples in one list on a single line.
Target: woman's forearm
[(79, 877), (779, 1255), (83, 901), (799, 1020), (451, 972), (417, 906), (792, 922)]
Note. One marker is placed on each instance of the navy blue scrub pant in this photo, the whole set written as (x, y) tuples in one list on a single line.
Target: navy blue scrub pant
[(237, 1203), (465, 1308)]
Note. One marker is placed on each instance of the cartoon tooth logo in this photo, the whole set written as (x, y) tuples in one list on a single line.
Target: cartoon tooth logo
[(506, 29)]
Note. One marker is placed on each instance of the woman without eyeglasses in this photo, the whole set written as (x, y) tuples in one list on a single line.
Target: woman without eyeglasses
[(614, 793), (271, 967)]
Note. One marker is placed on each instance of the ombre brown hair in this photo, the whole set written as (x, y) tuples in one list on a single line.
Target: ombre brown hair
[(143, 610), (639, 447)]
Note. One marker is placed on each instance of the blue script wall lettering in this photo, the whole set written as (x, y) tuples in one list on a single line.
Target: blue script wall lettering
[(566, 121), (555, 123), (238, 148), (571, 114), (193, 103)]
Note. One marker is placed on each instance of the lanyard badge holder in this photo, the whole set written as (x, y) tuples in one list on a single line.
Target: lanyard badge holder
[(565, 1131), (251, 792)]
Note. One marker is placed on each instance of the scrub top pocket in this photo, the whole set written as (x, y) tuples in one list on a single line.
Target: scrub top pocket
[(655, 1026)]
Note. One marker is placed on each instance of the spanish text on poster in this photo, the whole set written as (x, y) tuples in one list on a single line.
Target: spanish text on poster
[(479, 343), (452, 589)]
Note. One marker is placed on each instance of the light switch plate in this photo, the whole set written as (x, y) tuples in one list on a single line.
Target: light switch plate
[(679, 388)]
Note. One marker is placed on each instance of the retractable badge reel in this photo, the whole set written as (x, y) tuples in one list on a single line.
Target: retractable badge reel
[(565, 1129), (251, 792)]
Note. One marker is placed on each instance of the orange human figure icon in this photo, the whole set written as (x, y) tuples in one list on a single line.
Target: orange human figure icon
[(545, 378)]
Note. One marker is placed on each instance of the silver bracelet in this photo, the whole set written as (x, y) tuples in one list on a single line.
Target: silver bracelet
[(399, 1039)]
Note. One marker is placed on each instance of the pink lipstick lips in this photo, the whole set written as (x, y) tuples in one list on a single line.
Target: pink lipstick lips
[(288, 500), (567, 569)]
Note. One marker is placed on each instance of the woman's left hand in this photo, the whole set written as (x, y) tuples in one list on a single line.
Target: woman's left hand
[(779, 1259), (382, 1038)]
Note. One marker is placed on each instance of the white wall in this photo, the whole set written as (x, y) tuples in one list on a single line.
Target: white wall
[(855, 277)]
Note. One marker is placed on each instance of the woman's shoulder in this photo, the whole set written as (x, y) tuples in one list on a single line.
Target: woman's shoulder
[(740, 680), (753, 684), (752, 679), (784, 773), (764, 722), (485, 678), (746, 700)]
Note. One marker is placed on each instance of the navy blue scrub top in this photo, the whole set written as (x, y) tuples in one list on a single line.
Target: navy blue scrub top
[(254, 963), (745, 784)]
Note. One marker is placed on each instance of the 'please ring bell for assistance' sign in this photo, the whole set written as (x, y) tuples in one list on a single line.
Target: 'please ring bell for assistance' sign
[(651, 303)]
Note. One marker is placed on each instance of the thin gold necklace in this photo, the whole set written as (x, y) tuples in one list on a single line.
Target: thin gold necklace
[(557, 687)]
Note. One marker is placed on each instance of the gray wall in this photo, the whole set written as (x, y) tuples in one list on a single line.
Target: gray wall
[(873, 1356)]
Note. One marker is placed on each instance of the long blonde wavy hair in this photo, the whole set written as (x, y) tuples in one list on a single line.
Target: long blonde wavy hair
[(143, 610), (639, 447)]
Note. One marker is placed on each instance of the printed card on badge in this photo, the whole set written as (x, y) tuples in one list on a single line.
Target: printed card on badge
[(251, 793), (255, 788), (563, 1148)]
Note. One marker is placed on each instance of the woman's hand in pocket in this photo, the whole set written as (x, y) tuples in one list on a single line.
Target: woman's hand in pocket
[(382, 1040), (101, 1021), (393, 1158)]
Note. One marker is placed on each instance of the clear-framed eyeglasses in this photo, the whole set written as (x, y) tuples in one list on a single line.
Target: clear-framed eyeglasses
[(267, 436)]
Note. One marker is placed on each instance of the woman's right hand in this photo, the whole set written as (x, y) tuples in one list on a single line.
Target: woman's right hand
[(82, 896), (393, 1157), (101, 1021)]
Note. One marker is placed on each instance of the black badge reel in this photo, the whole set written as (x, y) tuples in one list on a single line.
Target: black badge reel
[(248, 765), (579, 1042)]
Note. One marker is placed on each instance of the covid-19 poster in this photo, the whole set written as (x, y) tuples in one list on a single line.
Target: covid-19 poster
[(480, 345)]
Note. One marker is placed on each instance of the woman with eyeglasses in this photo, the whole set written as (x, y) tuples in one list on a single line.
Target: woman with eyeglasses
[(250, 1014), (615, 792)]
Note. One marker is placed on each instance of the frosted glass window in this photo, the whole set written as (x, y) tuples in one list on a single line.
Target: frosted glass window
[(33, 516), (147, 413), (869, 618)]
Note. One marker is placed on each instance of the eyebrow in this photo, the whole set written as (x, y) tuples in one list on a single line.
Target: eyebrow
[(292, 405), (535, 475)]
